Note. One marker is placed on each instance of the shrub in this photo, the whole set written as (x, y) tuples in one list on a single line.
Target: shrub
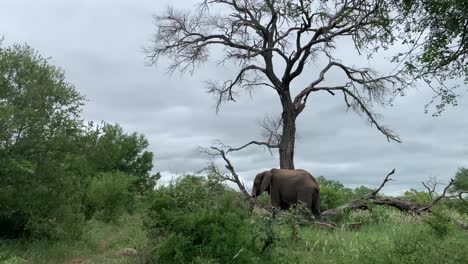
[(333, 193), (44, 204), (458, 205), (439, 223), (417, 196), (108, 196), (189, 223)]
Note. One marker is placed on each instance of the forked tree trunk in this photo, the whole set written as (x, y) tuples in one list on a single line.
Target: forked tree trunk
[(288, 136)]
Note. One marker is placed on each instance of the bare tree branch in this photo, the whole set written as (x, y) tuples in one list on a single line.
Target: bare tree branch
[(219, 152), (272, 130), (225, 92), (362, 81), (431, 186), (387, 179), (443, 195), (253, 142)]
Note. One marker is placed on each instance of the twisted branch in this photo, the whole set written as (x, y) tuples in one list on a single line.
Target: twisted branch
[(363, 89), (215, 152)]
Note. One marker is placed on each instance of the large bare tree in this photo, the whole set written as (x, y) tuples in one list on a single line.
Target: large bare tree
[(274, 41)]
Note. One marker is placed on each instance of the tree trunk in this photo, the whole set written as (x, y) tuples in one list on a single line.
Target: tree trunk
[(288, 136)]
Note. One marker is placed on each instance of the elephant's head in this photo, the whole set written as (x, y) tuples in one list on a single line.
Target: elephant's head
[(261, 183)]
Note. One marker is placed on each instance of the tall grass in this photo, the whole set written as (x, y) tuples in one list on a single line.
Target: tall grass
[(395, 238), (100, 243)]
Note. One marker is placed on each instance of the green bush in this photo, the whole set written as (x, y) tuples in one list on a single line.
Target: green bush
[(109, 196), (417, 196), (439, 223), (264, 200), (194, 219), (458, 205), (333, 193), (43, 203)]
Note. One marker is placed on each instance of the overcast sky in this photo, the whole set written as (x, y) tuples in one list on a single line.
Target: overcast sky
[(99, 45)]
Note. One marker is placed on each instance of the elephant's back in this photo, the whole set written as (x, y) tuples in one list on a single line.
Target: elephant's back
[(314, 182), (297, 177)]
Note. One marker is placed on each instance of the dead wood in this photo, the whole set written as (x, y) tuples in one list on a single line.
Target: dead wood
[(400, 204), (232, 177), (459, 223)]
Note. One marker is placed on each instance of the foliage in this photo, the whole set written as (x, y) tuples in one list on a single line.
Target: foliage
[(293, 218), (120, 170), (361, 191), (40, 175), (436, 33), (461, 206), (52, 165), (108, 195), (439, 222), (460, 183), (397, 238), (115, 150), (189, 221), (264, 200), (100, 243), (193, 220), (417, 196), (333, 193)]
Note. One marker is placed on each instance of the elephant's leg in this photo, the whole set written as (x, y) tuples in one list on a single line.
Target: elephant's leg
[(306, 196), (284, 206), (275, 198), (275, 202), (316, 205)]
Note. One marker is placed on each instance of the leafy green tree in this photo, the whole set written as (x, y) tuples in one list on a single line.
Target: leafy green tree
[(460, 184), (361, 191), (459, 192), (437, 32), (417, 196), (40, 162), (115, 150), (333, 193), (52, 165)]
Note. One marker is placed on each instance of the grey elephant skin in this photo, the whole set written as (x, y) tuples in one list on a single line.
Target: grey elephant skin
[(288, 187)]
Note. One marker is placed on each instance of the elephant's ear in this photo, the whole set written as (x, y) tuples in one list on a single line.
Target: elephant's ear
[(266, 181)]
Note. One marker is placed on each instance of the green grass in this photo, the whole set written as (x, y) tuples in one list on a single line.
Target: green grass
[(386, 236), (397, 238), (100, 243)]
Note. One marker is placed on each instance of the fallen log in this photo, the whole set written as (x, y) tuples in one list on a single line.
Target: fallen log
[(363, 204), (373, 198), (460, 223)]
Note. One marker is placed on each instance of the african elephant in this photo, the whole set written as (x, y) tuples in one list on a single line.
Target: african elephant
[(287, 187)]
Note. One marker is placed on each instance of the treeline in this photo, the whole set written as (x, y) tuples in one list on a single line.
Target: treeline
[(55, 169)]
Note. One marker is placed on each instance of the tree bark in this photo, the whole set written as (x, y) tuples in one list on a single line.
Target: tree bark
[(288, 136)]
